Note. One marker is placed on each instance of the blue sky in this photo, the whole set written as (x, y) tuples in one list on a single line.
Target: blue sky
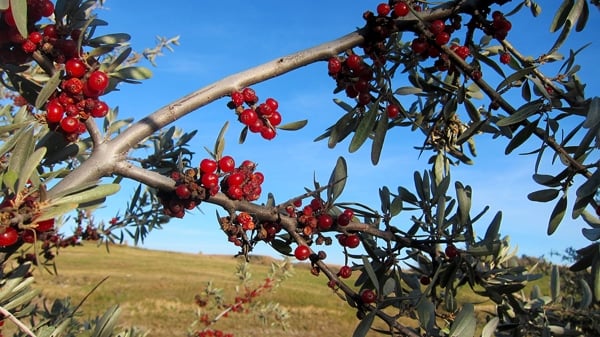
[(221, 38)]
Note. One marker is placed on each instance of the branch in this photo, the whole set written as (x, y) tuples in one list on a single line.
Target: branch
[(101, 162)]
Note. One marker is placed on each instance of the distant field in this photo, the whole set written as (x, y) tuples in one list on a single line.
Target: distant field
[(156, 291)]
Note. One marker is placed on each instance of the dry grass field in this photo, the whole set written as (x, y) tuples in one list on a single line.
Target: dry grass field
[(156, 289)]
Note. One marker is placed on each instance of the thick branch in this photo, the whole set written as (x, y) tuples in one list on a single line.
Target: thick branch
[(137, 132)]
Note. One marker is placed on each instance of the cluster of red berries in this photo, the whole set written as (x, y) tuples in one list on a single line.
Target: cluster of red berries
[(15, 48), (10, 232), (242, 183), (353, 76), (76, 99), (189, 192), (314, 217), (213, 333), (499, 27), (260, 118), (193, 186), (236, 230)]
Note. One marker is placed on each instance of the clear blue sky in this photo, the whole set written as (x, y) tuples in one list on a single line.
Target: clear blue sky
[(220, 38)]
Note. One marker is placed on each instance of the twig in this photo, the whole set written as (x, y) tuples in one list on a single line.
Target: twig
[(16, 321)]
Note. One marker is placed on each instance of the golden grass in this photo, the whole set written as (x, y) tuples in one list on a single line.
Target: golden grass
[(156, 289)]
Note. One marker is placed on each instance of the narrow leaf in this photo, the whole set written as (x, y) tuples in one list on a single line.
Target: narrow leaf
[(370, 272), (293, 126), (19, 12), (525, 111), (544, 195), (555, 283), (558, 213), (379, 139), (365, 325), (94, 193), (48, 89), (561, 15), (465, 323), (337, 180), (364, 129)]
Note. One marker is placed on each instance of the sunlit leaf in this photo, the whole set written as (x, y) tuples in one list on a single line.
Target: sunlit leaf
[(48, 89), (490, 327), (408, 91), (465, 323), (493, 230), (293, 126), (220, 142), (117, 38), (132, 73), (19, 12), (586, 294), (89, 195)]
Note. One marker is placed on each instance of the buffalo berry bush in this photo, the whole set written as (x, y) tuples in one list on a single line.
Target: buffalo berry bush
[(445, 70)]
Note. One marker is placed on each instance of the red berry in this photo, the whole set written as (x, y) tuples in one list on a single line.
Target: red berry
[(226, 164), (364, 98), (463, 52), (9, 237), (419, 45), (393, 111), (343, 220), (505, 58), (437, 26), (497, 15), (272, 103), (257, 126), (442, 38), (208, 166), (35, 37), (235, 192), (275, 118), (47, 8), (49, 31), (28, 46), (54, 111), (258, 177), (235, 179), (368, 296), (98, 81), (302, 252), (451, 251), (334, 65), (249, 96), (183, 192), (401, 9), (248, 117), (354, 62), (383, 9), (476, 75), (268, 132), (349, 213), (298, 203), (210, 180), (69, 124), (425, 280), (325, 221), (237, 98), (9, 18), (75, 68), (352, 241), (248, 164), (345, 272), (100, 109)]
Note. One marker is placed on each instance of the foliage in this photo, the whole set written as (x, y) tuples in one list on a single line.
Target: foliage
[(61, 69)]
